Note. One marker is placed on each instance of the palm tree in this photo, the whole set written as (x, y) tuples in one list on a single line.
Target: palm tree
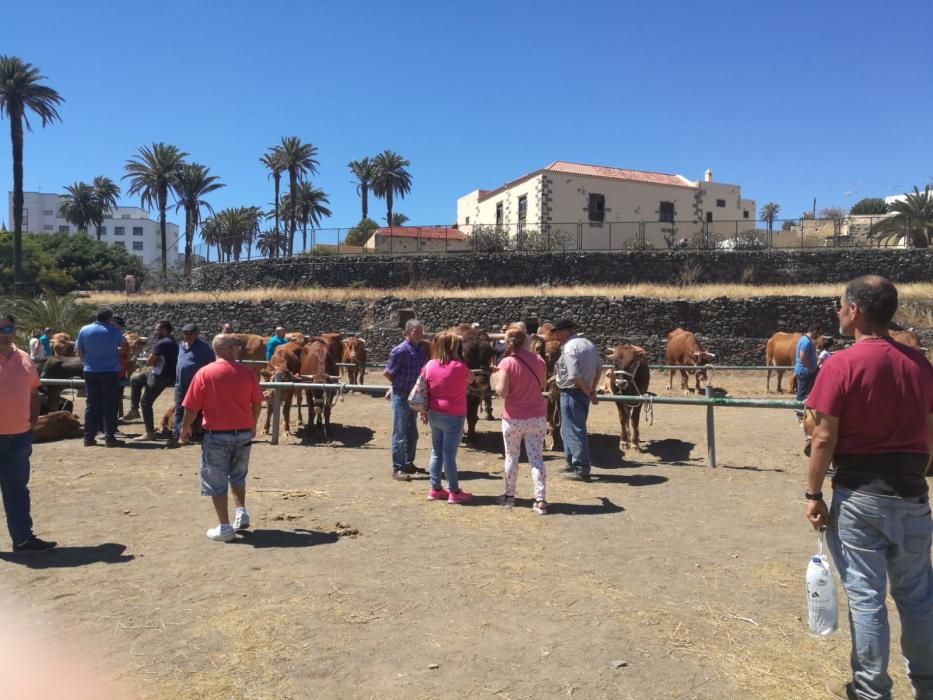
[(364, 172), (78, 206), (398, 219), (912, 220), (106, 194), (272, 159), (769, 213), (298, 160), (62, 312), (192, 183), (231, 229), (152, 172), (312, 206), (266, 243), (20, 92), (391, 178)]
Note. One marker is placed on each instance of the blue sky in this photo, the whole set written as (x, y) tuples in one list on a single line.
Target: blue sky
[(792, 100)]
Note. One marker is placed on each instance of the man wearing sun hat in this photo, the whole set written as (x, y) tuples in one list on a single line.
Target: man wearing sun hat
[(578, 370)]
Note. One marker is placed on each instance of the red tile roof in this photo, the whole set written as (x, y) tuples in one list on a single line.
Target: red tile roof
[(423, 232), (560, 166)]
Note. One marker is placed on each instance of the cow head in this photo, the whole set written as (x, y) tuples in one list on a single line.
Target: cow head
[(296, 337), (701, 358), (625, 360)]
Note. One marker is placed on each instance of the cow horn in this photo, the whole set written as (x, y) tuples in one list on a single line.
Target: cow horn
[(710, 354)]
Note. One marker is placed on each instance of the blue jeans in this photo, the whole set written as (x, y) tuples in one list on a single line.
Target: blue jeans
[(180, 390), (805, 384), (404, 431), (873, 539), (446, 432), (224, 458), (100, 409), (14, 483), (574, 410)]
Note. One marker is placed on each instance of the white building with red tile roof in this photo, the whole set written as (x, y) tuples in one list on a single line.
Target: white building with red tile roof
[(597, 207), (416, 239)]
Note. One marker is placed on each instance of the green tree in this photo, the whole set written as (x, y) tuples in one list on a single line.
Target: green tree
[(272, 159), (364, 172), (912, 220), (78, 206), (64, 313), (20, 93), (266, 243), (193, 182), (833, 213), (298, 160), (769, 212), (106, 194), (398, 219), (391, 178), (152, 173), (359, 234), (312, 207), (231, 230), (869, 206)]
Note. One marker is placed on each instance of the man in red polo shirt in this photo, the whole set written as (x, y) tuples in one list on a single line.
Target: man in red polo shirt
[(873, 409), (19, 387), (229, 396)]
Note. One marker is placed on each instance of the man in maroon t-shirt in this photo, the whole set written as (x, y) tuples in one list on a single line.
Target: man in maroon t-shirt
[(873, 410)]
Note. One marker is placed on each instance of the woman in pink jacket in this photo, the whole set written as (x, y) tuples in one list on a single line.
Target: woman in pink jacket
[(447, 377), (520, 379)]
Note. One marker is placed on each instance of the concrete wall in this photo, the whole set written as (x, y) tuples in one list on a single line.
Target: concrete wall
[(506, 270)]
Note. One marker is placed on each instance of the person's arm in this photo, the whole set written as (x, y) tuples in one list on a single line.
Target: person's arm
[(500, 380), (79, 346), (33, 409), (257, 409), (186, 423), (822, 446), (804, 356)]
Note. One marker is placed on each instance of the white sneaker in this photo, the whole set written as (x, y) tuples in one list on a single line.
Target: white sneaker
[(241, 519), (221, 533)]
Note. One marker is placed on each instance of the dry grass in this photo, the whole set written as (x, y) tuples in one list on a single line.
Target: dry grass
[(920, 293)]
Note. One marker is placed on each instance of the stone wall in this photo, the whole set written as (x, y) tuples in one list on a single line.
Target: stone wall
[(735, 330), (467, 270)]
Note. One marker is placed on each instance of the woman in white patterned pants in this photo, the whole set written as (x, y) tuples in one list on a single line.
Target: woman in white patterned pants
[(520, 379)]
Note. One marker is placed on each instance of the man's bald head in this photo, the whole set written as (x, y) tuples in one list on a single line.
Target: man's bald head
[(876, 299), (226, 346)]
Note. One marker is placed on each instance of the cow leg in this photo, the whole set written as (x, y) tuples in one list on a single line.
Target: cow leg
[(768, 382), (684, 382), (472, 416), (623, 427), (362, 375), (670, 380), (780, 376), (298, 395), (327, 406), (635, 420), (287, 411)]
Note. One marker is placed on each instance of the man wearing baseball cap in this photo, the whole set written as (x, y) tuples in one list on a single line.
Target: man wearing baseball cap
[(193, 354)]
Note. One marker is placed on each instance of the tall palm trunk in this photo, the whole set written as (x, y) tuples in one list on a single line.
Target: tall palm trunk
[(189, 240), (97, 226), (293, 201), (389, 206), (163, 197), (364, 197), (304, 235), (16, 137), (277, 178)]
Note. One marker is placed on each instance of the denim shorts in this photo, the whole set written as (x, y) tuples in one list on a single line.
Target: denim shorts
[(224, 458)]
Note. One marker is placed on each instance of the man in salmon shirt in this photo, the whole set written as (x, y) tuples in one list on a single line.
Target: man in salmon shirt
[(229, 396), (19, 387), (873, 409)]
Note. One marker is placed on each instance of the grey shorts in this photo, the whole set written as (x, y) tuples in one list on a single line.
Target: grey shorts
[(224, 459)]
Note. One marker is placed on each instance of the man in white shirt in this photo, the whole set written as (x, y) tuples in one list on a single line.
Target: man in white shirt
[(578, 370)]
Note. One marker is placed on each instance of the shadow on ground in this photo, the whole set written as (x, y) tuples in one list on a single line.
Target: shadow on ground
[(69, 557), (342, 435), (284, 538), (671, 451)]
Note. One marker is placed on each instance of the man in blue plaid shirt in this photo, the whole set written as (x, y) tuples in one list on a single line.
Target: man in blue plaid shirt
[(404, 365)]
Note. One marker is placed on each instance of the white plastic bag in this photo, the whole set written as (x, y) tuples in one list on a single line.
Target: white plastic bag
[(822, 602)]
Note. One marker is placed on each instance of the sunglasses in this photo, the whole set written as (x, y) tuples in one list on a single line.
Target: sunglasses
[(7, 330)]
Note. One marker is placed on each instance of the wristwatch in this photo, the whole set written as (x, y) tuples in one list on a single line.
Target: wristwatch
[(818, 496)]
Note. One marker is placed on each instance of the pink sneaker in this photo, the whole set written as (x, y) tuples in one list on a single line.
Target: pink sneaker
[(460, 496), (437, 494)]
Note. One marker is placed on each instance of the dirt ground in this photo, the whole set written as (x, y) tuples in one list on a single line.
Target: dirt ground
[(661, 578)]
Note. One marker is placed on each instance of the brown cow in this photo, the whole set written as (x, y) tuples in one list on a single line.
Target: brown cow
[(58, 425), (683, 348), (480, 357), (906, 337), (284, 365), (167, 426), (550, 350), (62, 345), (354, 353), (254, 350), (318, 366), (59, 368), (629, 376), (780, 352)]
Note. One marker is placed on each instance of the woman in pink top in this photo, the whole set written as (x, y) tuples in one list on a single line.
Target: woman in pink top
[(520, 379), (447, 377)]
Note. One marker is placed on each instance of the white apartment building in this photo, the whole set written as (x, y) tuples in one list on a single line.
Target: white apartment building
[(598, 207), (126, 227)]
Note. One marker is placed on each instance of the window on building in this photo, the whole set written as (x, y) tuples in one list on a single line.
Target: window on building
[(522, 209), (721, 203), (137, 245), (48, 227), (48, 212), (597, 207), (119, 230), (500, 214), (709, 217), (125, 216), (137, 230), (119, 244), (666, 212), (103, 230), (25, 220), (63, 229), (745, 213), (468, 221)]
